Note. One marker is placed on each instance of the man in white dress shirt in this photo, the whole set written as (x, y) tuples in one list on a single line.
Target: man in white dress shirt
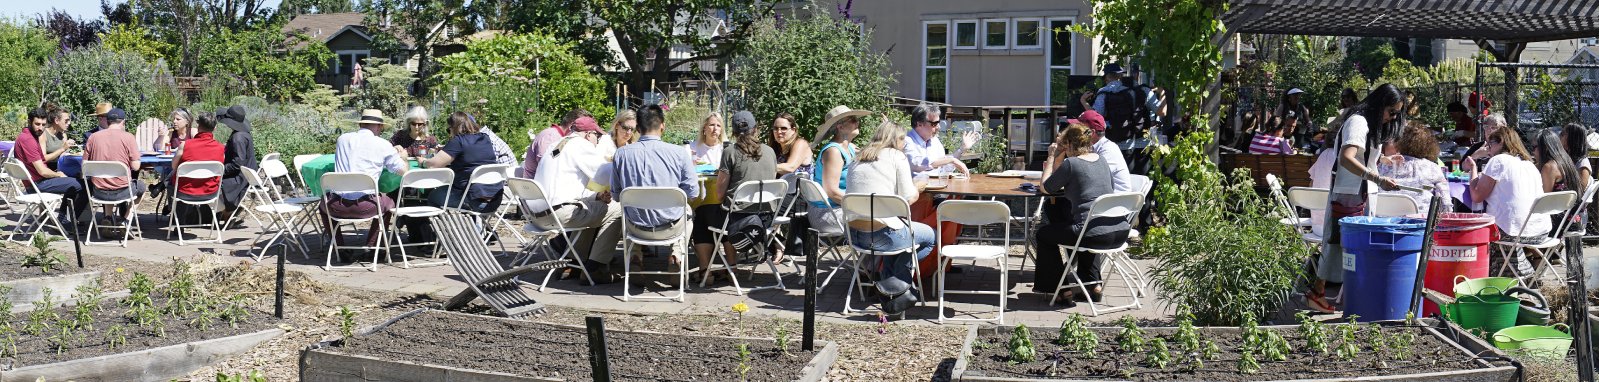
[(564, 173), (363, 151), (924, 149)]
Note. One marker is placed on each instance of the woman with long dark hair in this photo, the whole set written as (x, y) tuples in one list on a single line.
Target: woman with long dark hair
[(793, 152), (1575, 137), (1366, 127), (1559, 174)]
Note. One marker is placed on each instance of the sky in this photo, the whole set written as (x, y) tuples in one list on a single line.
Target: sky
[(80, 8)]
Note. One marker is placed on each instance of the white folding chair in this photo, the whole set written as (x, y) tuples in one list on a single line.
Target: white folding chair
[(1109, 206), (543, 226), (655, 198), (304, 197), (1551, 204), (875, 206), (759, 197), (431, 180), (979, 214), (342, 182), (1313, 199), (1291, 216), (110, 169), (38, 207), (1388, 205), (281, 218), (508, 206), (147, 133), (484, 176), (828, 238), (196, 172), (1142, 185)]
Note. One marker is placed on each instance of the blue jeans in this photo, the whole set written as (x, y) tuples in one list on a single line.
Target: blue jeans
[(890, 239), (68, 188)]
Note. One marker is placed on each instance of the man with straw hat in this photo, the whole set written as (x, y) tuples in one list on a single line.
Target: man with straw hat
[(100, 111), (363, 151)]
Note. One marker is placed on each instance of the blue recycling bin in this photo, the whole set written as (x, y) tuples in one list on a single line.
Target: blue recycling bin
[(1380, 257)]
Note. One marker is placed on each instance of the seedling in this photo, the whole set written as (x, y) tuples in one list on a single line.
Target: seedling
[(1347, 350), (43, 313), (1021, 345), (781, 339), (139, 289), (1209, 350), (5, 306), (91, 294), (182, 292), (43, 256), (203, 318), (63, 339), (82, 317), (1187, 336), (743, 361), (116, 335), (1074, 335), (253, 376), (1247, 363), (347, 323), (1131, 338), (1158, 356), (1195, 362), (1275, 348), (1314, 332), (235, 312)]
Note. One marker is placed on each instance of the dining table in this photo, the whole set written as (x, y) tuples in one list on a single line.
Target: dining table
[(1005, 185), (72, 164), (312, 174)]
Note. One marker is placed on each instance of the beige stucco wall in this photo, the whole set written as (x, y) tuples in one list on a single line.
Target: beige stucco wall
[(981, 77), (1545, 52)]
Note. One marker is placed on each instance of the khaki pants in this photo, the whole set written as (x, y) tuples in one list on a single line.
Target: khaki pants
[(598, 241)]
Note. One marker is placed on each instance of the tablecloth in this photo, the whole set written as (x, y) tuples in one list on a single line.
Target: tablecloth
[(314, 169)]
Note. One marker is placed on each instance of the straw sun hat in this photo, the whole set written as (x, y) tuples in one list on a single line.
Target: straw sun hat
[(838, 113)]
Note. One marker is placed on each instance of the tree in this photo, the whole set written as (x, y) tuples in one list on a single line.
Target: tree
[(647, 30), (413, 26), (184, 24), (135, 39), (290, 8), (1370, 56), (565, 19), (1177, 40), (810, 64), (519, 82), (270, 64), (23, 51), (71, 32)]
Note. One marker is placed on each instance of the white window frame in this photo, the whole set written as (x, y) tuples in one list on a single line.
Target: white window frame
[(338, 59), (983, 33), (954, 30), (948, 36), (1016, 33), (1046, 38)]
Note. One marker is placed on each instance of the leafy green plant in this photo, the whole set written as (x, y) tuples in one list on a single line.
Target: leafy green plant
[(234, 311), (91, 294), (5, 305), (261, 61), (24, 49), (517, 82), (1275, 348), (1314, 332), (1218, 237), (809, 63), (252, 376), (1075, 335), (43, 313), (203, 317), (116, 336), (743, 360), (1187, 336), (64, 338), (1347, 348), (1247, 363), (1209, 350), (387, 87), (82, 317), (182, 292), (1131, 338), (347, 323), (1158, 356), (996, 156), (43, 255), (1021, 345), (781, 339), (78, 79)]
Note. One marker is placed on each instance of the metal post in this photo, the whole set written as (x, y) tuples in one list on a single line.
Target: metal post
[(77, 238), (808, 342), (1426, 251), (277, 304), (598, 361), (1581, 327)]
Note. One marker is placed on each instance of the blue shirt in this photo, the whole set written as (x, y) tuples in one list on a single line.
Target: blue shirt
[(843, 174), (653, 163), (467, 152)]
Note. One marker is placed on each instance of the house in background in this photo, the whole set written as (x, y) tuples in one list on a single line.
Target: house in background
[(349, 41), (982, 53)]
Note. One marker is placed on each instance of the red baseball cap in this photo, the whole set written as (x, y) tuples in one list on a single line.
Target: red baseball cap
[(1092, 119)]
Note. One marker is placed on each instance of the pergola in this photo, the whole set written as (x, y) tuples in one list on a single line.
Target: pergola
[(1501, 27)]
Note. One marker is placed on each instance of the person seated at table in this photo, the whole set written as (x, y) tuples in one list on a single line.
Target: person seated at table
[(836, 134), (707, 147), (1575, 138), (1120, 177), (54, 140), (546, 139), (1271, 140), (182, 130), (115, 144), (1490, 125), (884, 169), (1509, 183), (793, 152), (1075, 176), (564, 174), (502, 151), (363, 151), (26, 149), (239, 156), (624, 130), (1559, 173), (203, 147), (414, 136), (1412, 161), (926, 152), (467, 150), (654, 163), (748, 161), (1465, 130), (99, 119)]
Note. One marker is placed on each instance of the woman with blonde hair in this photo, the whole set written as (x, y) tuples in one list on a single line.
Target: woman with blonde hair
[(707, 148), (413, 137), (625, 129), (1075, 176), (1508, 184), (884, 169)]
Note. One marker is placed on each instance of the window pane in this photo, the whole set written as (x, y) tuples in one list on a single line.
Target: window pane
[(937, 42), (935, 85), (966, 34), (1059, 91), (996, 32), (1060, 52), (1027, 33)]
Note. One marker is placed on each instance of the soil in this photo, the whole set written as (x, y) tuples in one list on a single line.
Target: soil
[(43, 349), (991, 357), (11, 265), (450, 340)]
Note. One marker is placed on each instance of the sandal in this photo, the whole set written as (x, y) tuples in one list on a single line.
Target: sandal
[(1318, 303)]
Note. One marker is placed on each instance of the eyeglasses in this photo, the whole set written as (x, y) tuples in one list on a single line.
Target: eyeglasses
[(1495, 142)]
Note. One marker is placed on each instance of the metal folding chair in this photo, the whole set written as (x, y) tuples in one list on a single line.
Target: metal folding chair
[(196, 172), (280, 217), (1118, 205), (431, 180), (341, 182), (757, 197), (1550, 204), (655, 198), (542, 230), (829, 238), (38, 207), (875, 206)]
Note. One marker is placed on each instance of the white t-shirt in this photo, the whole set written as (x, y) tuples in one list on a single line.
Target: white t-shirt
[(1517, 184), (705, 155), (1354, 133), (890, 174), (1120, 179)]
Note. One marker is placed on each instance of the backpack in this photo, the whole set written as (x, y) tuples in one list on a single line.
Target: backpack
[(1121, 109)]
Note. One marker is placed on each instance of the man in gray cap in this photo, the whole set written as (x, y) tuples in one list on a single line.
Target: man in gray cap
[(747, 161), (1125, 110)]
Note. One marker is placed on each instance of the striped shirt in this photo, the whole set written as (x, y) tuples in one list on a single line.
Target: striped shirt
[(1269, 144)]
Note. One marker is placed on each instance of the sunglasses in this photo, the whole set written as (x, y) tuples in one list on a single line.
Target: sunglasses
[(783, 128)]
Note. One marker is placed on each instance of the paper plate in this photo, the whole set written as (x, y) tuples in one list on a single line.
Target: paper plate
[(1006, 174)]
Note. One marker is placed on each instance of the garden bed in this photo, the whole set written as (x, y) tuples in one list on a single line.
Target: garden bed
[(432, 345), (111, 347), (25, 284), (1435, 356)]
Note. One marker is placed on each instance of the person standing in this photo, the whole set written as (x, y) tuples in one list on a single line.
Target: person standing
[(363, 151), (1366, 127), (115, 144), (926, 152), (1126, 111), (239, 156), (1292, 109)]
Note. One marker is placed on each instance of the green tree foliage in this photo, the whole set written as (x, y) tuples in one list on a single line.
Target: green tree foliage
[(79, 79), (810, 64), (1170, 37), (414, 26), (1315, 65), (651, 28), (265, 62), (387, 87), (567, 20), (1370, 56), (291, 129), (136, 40), (23, 51), (518, 82), (290, 8)]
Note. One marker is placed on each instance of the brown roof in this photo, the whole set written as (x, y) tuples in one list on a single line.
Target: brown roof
[(324, 27)]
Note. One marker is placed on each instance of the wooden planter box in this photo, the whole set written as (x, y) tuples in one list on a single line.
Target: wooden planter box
[(325, 362), (1469, 347), (63, 287), (150, 365)]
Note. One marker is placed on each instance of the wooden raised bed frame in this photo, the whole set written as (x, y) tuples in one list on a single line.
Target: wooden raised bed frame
[(150, 365)]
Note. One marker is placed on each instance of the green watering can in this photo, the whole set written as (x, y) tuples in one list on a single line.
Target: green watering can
[(1486, 312), (1538, 340)]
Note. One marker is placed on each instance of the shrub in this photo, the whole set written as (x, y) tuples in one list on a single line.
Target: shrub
[(23, 51), (1220, 253), (79, 79), (264, 62), (519, 82), (808, 64), (290, 129), (387, 87)]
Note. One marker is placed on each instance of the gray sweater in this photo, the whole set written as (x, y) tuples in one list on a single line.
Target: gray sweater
[(1075, 185)]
